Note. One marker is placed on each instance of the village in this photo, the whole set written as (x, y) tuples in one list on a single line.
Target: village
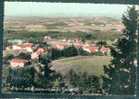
[(34, 50), (20, 54)]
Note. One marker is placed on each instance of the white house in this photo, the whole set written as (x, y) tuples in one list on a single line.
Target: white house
[(25, 46), (105, 50), (34, 55), (16, 47), (86, 49), (37, 53)]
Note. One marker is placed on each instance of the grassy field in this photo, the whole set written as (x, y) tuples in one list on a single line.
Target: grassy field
[(89, 64)]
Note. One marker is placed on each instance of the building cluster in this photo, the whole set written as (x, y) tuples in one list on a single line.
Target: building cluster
[(88, 47), (28, 49), (35, 51)]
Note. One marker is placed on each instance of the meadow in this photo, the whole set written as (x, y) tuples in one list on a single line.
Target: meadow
[(93, 65)]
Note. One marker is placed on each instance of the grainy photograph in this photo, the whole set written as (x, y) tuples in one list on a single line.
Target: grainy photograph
[(69, 48)]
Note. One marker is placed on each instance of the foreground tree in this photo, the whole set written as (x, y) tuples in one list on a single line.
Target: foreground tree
[(85, 82), (44, 76), (121, 72), (22, 77)]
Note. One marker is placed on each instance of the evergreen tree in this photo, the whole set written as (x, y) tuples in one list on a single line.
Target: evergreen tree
[(22, 77), (55, 53), (70, 51), (42, 71), (121, 72), (44, 76)]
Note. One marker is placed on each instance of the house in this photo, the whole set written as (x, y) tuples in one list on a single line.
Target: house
[(18, 63), (37, 53), (25, 46), (86, 49), (94, 49), (34, 55), (78, 45), (59, 46), (40, 50), (16, 47), (105, 50), (90, 49)]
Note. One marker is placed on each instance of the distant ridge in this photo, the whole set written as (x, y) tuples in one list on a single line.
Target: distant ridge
[(60, 17)]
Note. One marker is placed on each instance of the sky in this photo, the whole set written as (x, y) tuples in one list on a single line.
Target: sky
[(48, 9)]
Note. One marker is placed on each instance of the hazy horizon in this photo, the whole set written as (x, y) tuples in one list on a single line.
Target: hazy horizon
[(47, 9)]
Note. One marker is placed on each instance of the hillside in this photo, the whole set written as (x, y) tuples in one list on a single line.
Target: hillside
[(90, 64)]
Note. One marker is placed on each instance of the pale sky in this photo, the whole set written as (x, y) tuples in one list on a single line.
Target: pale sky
[(63, 9)]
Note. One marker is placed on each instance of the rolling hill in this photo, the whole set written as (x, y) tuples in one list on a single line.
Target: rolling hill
[(90, 64)]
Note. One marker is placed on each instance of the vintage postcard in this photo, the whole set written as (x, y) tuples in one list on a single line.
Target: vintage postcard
[(70, 48)]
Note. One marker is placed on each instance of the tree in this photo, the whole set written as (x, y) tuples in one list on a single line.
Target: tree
[(8, 57), (41, 69), (44, 76), (121, 72), (55, 53), (82, 52), (101, 43), (26, 56), (22, 77), (85, 82), (70, 51), (45, 61)]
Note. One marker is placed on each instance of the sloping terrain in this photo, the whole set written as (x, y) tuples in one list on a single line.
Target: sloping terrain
[(89, 64)]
